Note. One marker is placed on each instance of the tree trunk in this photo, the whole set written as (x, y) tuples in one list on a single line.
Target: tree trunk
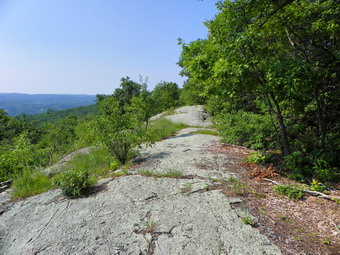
[(320, 119), (282, 126)]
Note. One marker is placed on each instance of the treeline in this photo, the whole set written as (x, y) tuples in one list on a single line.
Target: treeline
[(119, 120), (52, 116), (269, 73)]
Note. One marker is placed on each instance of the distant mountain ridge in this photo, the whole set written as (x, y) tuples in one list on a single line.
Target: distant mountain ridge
[(19, 103)]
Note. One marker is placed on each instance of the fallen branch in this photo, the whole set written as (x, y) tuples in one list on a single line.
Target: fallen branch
[(309, 192)]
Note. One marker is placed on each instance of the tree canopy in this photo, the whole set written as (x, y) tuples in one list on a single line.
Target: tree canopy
[(274, 57)]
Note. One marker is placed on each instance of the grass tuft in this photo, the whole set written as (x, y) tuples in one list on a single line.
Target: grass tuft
[(167, 174), (97, 162), (247, 220), (205, 132), (186, 188), (29, 183), (163, 128), (120, 173)]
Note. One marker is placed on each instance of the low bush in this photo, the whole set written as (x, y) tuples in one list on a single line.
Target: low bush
[(74, 183), (30, 183), (304, 166), (290, 191), (19, 156), (259, 157), (247, 129), (317, 186)]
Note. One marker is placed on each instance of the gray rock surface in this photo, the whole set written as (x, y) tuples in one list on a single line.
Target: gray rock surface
[(140, 215), (194, 116)]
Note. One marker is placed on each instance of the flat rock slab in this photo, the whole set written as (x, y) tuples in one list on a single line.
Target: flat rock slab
[(140, 215), (190, 115)]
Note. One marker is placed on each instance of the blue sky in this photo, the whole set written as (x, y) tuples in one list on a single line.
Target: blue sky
[(86, 46)]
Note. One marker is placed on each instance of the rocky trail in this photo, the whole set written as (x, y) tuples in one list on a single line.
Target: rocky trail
[(136, 214)]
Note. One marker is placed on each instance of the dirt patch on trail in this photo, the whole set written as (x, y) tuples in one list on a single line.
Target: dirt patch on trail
[(306, 226)]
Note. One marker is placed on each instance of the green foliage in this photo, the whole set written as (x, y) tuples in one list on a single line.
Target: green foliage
[(247, 220), (120, 128), (86, 132), (323, 171), (192, 94), (147, 173), (302, 166), (128, 89), (114, 165), (166, 95), (55, 116), (59, 138), (278, 60), (19, 157), (163, 128), (29, 183), (239, 187), (290, 191), (246, 129), (144, 106), (205, 132), (120, 173), (317, 186), (259, 157), (74, 183)]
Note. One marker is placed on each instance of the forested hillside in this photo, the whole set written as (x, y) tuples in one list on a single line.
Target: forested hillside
[(15, 103), (52, 116)]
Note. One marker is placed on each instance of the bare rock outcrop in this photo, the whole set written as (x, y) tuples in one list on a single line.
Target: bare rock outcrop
[(135, 214), (194, 116)]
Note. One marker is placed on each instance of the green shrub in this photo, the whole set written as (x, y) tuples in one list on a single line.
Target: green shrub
[(323, 171), (317, 186), (17, 158), (120, 128), (114, 165), (298, 165), (30, 183), (311, 165), (247, 129), (289, 191), (74, 183), (247, 220), (259, 157)]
